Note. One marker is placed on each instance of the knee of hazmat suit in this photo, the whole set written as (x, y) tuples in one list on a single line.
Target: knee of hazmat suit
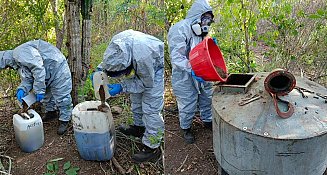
[(182, 37), (137, 53)]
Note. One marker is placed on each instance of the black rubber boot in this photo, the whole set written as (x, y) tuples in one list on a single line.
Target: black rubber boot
[(136, 131), (62, 127), (188, 136), (208, 125), (146, 154), (50, 115)]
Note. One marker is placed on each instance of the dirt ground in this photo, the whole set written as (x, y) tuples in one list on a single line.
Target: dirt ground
[(56, 146), (182, 158)]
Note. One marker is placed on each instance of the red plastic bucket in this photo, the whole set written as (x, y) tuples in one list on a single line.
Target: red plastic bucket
[(207, 60)]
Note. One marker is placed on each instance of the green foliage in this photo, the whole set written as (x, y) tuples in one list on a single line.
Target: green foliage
[(53, 167), (69, 170), (291, 34), (176, 10), (298, 36), (130, 120), (22, 21), (97, 52), (235, 29), (111, 17), (37, 11), (156, 139)]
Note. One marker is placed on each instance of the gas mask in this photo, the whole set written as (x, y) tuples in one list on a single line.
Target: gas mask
[(205, 24), (202, 28), (126, 73), (131, 74)]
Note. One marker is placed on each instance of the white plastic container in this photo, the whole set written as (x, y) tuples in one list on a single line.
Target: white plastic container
[(28, 130), (100, 78), (94, 131)]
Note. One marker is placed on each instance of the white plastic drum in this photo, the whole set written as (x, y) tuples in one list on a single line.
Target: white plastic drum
[(94, 131)]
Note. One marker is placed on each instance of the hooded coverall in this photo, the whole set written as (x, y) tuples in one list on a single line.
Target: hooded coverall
[(146, 87), (190, 94), (43, 69)]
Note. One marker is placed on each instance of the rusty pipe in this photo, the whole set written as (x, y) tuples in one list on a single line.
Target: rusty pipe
[(278, 83)]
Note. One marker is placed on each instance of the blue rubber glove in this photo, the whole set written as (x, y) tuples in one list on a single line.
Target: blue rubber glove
[(39, 97), (215, 40), (114, 89), (199, 79), (20, 94)]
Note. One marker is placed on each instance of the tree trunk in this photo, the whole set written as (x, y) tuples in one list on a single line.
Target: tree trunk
[(86, 38), (74, 45), (86, 47), (105, 12), (59, 32)]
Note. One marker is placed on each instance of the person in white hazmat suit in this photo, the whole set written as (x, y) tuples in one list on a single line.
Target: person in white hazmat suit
[(140, 58), (43, 69), (191, 91)]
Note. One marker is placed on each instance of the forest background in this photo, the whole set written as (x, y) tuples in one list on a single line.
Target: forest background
[(254, 36)]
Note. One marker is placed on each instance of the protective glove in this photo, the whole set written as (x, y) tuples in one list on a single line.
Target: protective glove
[(215, 40), (39, 97), (20, 94), (114, 89), (199, 79)]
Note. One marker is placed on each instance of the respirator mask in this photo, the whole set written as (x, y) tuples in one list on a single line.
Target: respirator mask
[(202, 28), (129, 72), (205, 24)]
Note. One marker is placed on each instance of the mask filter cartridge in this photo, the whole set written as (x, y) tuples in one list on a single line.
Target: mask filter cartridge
[(205, 29), (197, 29)]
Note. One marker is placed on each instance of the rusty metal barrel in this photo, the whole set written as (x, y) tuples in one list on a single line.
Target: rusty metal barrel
[(249, 137)]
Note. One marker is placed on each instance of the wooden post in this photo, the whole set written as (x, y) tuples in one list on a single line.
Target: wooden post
[(86, 37), (74, 45)]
